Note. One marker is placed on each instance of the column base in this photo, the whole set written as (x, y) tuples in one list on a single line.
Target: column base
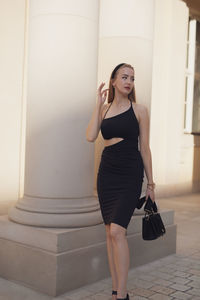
[(54, 220), (52, 260), (60, 213)]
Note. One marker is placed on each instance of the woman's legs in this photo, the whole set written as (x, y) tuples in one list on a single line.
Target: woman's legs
[(121, 257), (111, 260)]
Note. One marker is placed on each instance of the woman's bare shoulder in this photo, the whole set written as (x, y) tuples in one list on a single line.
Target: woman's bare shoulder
[(140, 110), (143, 110), (140, 106)]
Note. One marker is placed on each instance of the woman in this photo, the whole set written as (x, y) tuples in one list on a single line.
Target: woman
[(121, 170)]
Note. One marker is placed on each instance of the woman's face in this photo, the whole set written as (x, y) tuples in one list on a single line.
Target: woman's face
[(124, 80)]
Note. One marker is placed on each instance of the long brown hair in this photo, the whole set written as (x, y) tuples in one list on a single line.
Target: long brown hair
[(111, 92)]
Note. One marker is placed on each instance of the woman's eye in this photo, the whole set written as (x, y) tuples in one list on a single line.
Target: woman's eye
[(126, 78)]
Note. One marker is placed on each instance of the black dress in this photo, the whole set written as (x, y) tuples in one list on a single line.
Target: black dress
[(121, 170)]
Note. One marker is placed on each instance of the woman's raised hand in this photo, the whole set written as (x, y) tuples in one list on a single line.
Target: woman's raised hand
[(102, 94)]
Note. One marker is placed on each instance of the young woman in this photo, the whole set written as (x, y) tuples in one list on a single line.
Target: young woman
[(121, 170)]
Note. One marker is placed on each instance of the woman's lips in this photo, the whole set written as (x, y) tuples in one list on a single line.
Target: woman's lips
[(128, 88)]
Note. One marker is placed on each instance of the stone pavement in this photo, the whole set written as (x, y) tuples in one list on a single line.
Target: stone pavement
[(175, 277)]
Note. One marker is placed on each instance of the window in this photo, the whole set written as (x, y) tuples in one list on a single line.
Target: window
[(192, 84)]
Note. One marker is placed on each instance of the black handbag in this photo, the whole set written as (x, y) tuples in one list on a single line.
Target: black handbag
[(140, 202), (149, 204), (152, 224)]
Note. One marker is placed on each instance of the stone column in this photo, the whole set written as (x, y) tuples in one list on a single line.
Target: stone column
[(126, 32), (61, 92)]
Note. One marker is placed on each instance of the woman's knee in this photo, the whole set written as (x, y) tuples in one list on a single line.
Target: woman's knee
[(117, 232)]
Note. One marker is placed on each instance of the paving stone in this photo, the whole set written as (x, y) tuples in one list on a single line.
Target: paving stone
[(146, 268), (169, 259), (141, 292), (197, 267), (161, 289), (195, 284), (183, 268), (194, 272), (195, 278), (142, 283), (99, 296), (137, 275), (180, 287), (181, 296), (160, 297), (162, 275), (157, 263), (147, 277), (183, 264), (139, 298), (79, 294), (180, 280), (166, 269), (186, 261), (163, 282), (172, 266), (97, 286), (194, 291), (181, 274), (169, 269)]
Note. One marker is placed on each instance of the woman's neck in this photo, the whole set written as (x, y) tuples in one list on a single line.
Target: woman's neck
[(120, 102)]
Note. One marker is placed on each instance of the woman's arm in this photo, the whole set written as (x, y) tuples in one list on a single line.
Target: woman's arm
[(144, 146), (93, 128)]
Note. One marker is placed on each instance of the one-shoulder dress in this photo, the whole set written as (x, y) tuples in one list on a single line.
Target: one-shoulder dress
[(121, 169)]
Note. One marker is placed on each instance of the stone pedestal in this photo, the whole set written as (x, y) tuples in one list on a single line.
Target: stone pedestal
[(55, 260)]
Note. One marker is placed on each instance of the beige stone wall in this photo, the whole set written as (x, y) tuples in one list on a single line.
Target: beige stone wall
[(173, 150)]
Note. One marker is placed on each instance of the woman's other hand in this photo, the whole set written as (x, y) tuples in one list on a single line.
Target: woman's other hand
[(102, 94), (151, 194)]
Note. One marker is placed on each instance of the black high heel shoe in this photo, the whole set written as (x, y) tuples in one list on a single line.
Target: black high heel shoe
[(114, 292), (127, 298)]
